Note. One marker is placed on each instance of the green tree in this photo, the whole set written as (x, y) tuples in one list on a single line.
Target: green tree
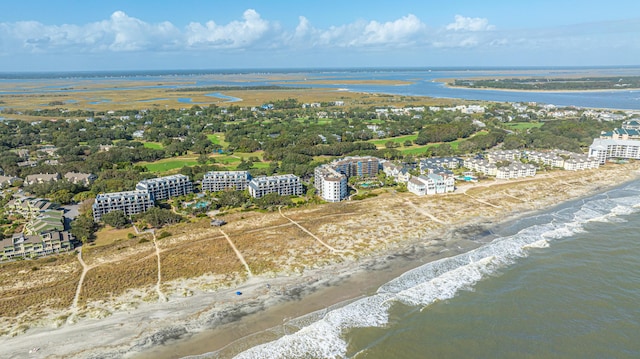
[(83, 228), (203, 158), (62, 196), (116, 219), (158, 217)]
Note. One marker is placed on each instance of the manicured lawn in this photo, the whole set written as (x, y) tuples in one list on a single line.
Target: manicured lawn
[(401, 140), (153, 145), (218, 139), (169, 164), (231, 161), (523, 125), (416, 150)]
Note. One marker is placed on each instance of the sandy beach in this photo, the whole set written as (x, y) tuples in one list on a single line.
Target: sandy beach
[(194, 321)]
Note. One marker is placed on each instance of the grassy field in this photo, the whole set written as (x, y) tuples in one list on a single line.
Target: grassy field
[(229, 161), (218, 139), (523, 125), (400, 140), (417, 150), (169, 164), (153, 145)]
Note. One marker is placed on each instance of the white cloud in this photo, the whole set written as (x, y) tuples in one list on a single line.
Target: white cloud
[(122, 33), (236, 34), (462, 23), (401, 32)]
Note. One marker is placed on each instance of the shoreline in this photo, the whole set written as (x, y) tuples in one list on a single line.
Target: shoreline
[(350, 285), (445, 82), (141, 332)]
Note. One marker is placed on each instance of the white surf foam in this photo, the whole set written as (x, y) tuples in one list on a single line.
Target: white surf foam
[(441, 280)]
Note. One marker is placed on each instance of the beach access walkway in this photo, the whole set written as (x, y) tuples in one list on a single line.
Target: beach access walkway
[(161, 296), (309, 233), (238, 254)]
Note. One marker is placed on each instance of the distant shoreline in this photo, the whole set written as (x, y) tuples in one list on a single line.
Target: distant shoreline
[(446, 83)]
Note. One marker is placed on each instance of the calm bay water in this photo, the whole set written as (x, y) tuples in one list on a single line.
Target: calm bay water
[(560, 284), (421, 83)]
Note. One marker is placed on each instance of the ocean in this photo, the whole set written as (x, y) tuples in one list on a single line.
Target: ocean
[(563, 283)]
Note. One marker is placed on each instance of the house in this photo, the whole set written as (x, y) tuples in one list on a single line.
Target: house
[(399, 173), (85, 179), (41, 178), (29, 207), (7, 181), (430, 184)]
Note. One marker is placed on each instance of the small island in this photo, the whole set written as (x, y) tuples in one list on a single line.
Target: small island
[(550, 83)]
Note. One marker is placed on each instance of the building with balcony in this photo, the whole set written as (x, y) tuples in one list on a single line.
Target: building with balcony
[(361, 166), (215, 181), (604, 149), (166, 187), (30, 246), (330, 184), (284, 185), (430, 184), (130, 202)]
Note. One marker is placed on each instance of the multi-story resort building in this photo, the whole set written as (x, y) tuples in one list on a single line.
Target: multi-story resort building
[(569, 161), (506, 155), (331, 179), (215, 181), (27, 246), (604, 149), (130, 202), (364, 167), (284, 185), (482, 166), (330, 184), (166, 187), (439, 162), (430, 184), (516, 170)]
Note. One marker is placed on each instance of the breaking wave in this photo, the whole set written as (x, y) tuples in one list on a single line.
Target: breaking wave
[(321, 334)]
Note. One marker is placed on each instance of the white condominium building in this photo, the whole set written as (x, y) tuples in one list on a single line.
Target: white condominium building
[(430, 184), (603, 149), (284, 185), (330, 184), (166, 187), (130, 202), (331, 179), (215, 181), (516, 170)]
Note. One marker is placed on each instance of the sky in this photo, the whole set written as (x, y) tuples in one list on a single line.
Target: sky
[(94, 35)]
